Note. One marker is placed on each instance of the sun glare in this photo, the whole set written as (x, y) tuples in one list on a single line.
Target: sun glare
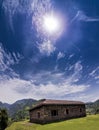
[(51, 24)]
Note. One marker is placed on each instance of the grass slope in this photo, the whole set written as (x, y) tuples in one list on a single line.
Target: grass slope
[(87, 123)]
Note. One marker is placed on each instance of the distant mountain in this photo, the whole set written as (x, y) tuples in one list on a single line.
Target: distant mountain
[(92, 107), (97, 102), (19, 108), (4, 105)]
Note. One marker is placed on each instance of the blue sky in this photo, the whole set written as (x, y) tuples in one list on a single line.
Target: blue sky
[(36, 64)]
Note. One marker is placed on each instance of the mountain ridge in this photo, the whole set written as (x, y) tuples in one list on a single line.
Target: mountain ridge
[(20, 108)]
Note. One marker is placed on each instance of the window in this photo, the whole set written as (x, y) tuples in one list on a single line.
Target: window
[(38, 114), (67, 111), (54, 112), (80, 110)]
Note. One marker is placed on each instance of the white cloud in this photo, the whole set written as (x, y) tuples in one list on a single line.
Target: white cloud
[(17, 57), (39, 8), (97, 77), (71, 56), (11, 7), (84, 97), (7, 59), (81, 16), (59, 90), (34, 8), (6, 72), (3, 66), (60, 55), (55, 84), (93, 73), (12, 89), (47, 39), (46, 47), (77, 68)]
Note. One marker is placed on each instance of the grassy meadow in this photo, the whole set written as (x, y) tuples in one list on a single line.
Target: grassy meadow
[(87, 123)]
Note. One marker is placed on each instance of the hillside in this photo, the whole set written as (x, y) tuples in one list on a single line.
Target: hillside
[(19, 109), (92, 107), (87, 123), (4, 105)]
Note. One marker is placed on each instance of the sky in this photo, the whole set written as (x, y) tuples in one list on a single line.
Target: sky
[(35, 63)]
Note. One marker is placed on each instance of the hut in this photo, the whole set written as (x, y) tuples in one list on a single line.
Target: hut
[(48, 110)]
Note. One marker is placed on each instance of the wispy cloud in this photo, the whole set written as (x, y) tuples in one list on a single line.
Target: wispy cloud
[(97, 77), (47, 40), (77, 69), (94, 71), (39, 8), (95, 74), (86, 97), (81, 16), (46, 47), (32, 9), (78, 66), (8, 59), (71, 56), (16, 6), (44, 84), (60, 55)]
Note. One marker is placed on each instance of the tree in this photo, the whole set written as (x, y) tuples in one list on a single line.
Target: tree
[(3, 119)]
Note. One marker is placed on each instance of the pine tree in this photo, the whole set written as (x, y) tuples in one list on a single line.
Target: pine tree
[(3, 119)]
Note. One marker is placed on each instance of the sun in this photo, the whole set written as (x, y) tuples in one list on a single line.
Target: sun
[(51, 24)]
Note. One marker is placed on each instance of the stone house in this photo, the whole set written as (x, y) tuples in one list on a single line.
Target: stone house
[(47, 111)]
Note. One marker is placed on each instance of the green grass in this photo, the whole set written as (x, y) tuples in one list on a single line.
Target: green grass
[(87, 123)]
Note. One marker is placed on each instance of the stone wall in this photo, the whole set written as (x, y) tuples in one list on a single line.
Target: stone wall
[(44, 113), (37, 115), (64, 112)]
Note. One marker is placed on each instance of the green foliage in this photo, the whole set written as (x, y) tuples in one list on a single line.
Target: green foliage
[(92, 108), (19, 110), (86, 123), (3, 119), (21, 115)]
